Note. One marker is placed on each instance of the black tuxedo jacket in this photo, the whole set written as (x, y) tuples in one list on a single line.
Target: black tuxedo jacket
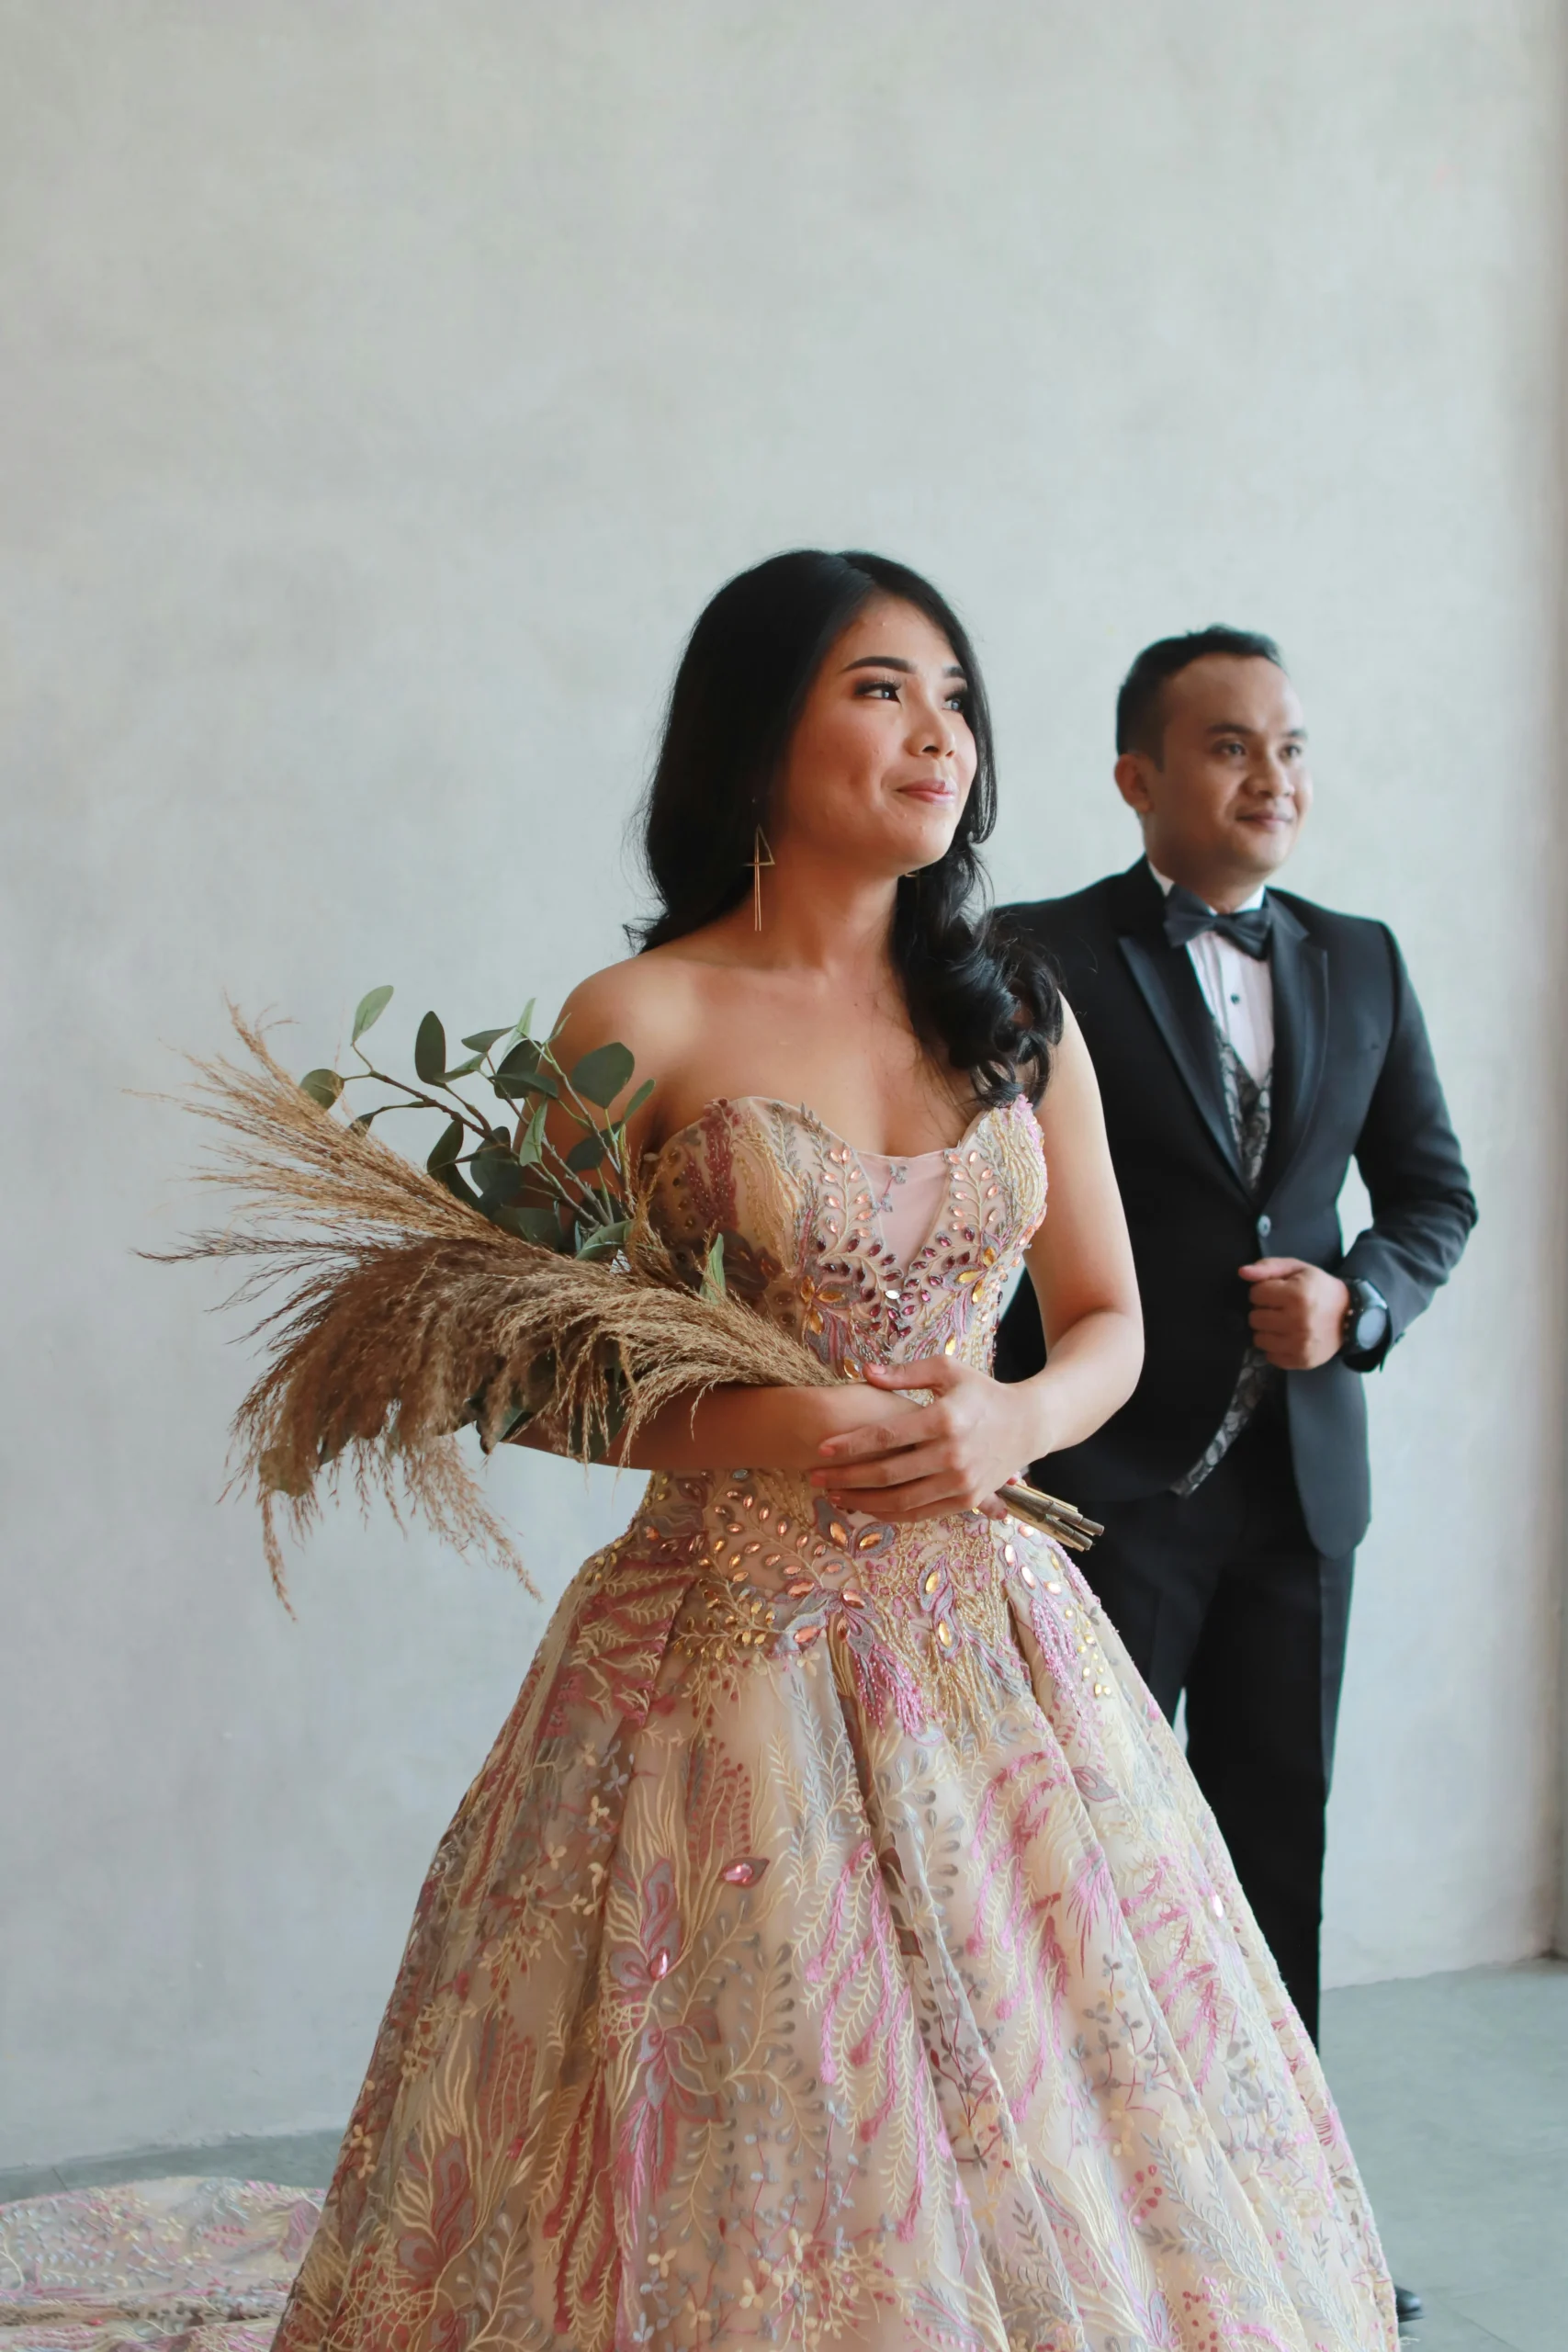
[(1353, 1074)]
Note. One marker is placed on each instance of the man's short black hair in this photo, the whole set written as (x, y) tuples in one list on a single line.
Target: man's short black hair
[(1140, 716)]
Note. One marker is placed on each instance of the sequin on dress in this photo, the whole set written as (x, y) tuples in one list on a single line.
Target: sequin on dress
[(835, 1949)]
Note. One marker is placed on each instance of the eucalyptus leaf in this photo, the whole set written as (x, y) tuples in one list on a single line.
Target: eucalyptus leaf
[(465, 1070), (532, 1141), (483, 1039), (526, 1018), (369, 1010), (542, 1227), (605, 1240), (361, 1126), (322, 1086), (586, 1154), (451, 1175), (635, 1105), (600, 1075), (498, 1176), (430, 1051), (447, 1149), (521, 1074)]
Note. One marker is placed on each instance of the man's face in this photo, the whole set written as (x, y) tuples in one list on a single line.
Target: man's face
[(1222, 805)]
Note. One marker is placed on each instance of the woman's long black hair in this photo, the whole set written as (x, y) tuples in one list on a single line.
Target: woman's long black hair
[(981, 995)]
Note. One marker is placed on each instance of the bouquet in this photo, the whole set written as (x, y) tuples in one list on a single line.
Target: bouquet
[(503, 1280)]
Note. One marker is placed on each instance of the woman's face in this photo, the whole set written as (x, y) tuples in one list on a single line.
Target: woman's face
[(882, 759)]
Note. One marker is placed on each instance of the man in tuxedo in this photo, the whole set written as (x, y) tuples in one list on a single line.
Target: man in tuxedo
[(1248, 1044)]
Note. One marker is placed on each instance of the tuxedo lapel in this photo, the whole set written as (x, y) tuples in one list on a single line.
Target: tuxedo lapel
[(1301, 1036), (1168, 986)]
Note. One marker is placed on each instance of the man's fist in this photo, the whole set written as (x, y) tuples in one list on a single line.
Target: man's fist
[(1298, 1312)]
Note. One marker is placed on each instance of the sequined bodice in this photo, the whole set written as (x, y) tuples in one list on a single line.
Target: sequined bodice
[(871, 1258)]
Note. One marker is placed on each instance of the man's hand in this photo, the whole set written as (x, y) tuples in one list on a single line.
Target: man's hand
[(1298, 1312)]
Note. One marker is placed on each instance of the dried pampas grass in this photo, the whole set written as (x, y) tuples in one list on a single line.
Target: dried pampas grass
[(405, 1313)]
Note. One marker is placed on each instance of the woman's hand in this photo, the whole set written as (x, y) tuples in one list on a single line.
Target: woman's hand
[(949, 1455)]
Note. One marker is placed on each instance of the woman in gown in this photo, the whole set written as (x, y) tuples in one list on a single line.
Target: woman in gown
[(834, 1950)]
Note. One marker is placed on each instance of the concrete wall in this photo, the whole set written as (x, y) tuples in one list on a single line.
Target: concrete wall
[(385, 386)]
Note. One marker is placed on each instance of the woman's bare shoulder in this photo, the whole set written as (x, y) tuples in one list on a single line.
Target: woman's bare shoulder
[(654, 1004), (646, 999)]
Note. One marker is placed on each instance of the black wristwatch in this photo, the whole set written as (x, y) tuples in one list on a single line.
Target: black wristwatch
[(1365, 1326)]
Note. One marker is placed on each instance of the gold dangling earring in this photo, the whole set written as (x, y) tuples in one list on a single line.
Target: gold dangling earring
[(761, 855)]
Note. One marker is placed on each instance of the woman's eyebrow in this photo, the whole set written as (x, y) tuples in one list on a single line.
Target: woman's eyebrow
[(895, 662)]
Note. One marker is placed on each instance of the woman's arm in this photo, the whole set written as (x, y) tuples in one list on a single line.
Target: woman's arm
[(1081, 1263), (765, 1429), (979, 1432)]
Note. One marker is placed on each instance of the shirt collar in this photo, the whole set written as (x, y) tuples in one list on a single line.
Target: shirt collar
[(1168, 886)]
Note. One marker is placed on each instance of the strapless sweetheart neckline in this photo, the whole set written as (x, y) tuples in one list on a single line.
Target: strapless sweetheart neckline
[(808, 1118)]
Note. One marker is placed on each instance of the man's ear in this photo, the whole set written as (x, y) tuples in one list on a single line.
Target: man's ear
[(1131, 773)]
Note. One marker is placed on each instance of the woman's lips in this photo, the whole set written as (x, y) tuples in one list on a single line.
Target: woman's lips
[(937, 789)]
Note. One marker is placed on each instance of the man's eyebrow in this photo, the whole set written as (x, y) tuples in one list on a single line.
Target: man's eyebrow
[(1240, 727), (895, 662)]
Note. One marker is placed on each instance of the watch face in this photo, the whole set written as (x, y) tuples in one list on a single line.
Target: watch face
[(1369, 1327)]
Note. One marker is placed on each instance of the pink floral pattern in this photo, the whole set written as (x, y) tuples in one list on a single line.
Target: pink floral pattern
[(835, 1949)]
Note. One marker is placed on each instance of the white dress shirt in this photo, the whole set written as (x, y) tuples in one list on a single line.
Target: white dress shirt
[(1237, 989)]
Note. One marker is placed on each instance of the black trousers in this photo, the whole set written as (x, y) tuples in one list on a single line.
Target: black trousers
[(1221, 1595)]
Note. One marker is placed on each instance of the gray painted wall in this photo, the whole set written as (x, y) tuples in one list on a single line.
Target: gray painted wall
[(385, 386)]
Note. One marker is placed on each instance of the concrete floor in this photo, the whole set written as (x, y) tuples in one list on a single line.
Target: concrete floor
[(1454, 2090)]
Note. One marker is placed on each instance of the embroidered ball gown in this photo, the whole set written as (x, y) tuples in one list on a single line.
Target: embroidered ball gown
[(835, 1949)]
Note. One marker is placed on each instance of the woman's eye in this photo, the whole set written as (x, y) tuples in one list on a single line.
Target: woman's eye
[(871, 686)]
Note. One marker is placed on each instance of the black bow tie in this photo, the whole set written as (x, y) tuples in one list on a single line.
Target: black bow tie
[(1187, 918)]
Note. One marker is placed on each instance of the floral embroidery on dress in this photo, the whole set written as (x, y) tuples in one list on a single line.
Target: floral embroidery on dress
[(835, 1949)]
